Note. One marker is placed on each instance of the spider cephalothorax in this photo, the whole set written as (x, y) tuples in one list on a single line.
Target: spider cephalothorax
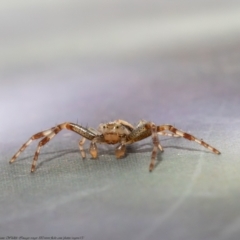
[(118, 131), (114, 132)]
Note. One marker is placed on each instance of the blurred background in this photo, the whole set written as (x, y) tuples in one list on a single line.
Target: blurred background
[(97, 61), (105, 50)]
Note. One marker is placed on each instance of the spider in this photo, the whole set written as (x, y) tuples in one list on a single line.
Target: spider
[(118, 131)]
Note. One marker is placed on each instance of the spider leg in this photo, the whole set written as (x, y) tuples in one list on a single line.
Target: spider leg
[(80, 144), (26, 144), (168, 134), (186, 136), (55, 131), (143, 130), (126, 124), (49, 134), (120, 151), (93, 150), (156, 146)]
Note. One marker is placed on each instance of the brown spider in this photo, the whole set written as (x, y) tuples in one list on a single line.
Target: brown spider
[(118, 131)]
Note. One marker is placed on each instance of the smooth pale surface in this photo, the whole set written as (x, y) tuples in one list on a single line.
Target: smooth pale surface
[(191, 194)]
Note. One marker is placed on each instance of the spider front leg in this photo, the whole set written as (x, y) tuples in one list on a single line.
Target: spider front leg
[(47, 135), (26, 144), (187, 136), (42, 143)]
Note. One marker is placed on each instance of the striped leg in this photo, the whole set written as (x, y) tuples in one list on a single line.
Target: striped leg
[(156, 146), (26, 144), (73, 127), (55, 131), (47, 135), (168, 134), (187, 136)]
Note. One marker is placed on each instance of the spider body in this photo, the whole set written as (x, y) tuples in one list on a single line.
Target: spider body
[(118, 131)]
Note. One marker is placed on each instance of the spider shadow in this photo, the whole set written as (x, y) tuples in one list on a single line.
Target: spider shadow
[(60, 154), (63, 153)]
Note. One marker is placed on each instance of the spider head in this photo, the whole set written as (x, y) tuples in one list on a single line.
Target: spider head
[(113, 128)]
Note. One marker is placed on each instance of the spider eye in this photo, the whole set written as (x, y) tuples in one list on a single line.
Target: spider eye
[(104, 126), (117, 127)]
